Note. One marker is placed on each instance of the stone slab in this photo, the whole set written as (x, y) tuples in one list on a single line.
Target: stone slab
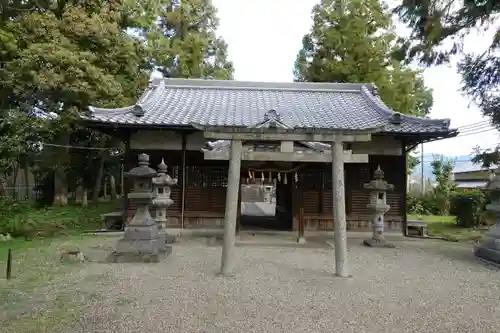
[(151, 246), (139, 257), (488, 254), (169, 239), (141, 232), (489, 247), (378, 243)]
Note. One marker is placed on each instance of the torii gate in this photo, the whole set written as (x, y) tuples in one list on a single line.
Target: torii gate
[(235, 154)]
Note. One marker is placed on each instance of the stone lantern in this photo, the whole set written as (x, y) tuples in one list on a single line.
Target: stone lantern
[(141, 241), (161, 189), (489, 247), (378, 188)]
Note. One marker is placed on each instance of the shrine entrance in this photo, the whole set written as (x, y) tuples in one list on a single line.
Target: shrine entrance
[(266, 199), (287, 145)]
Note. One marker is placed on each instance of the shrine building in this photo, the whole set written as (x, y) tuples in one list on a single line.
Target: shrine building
[(291, 135)]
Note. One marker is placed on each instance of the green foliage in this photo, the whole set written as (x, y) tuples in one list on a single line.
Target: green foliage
[(442, 169), (18, 134), (468, 206), (354, 41), (11, 207), (427, 204), (438, 29), (20, 218), (434, 22), (184, 44), (62, 56), (411, 161)]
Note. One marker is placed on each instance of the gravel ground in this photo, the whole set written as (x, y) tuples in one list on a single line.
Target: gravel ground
[(420, 286)]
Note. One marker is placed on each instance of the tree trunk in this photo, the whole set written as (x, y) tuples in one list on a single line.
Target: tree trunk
[(27, 181), (85, 197), (112, 185), (61, 159), (60, 188), (105, 189), (98, 182), (3, 186), (122, 181), (14, 185)]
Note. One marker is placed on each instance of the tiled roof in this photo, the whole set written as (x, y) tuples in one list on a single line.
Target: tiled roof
[(181, 102)]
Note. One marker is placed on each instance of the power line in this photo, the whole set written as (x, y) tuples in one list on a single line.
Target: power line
[(75, 147), (467, 130), (480, 123), (476, 132), (454, 161)]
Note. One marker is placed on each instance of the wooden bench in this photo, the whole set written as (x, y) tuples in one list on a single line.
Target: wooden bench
[(113, 220), (416, 228)]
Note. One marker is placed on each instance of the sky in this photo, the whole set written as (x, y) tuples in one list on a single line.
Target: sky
[(264, 37)]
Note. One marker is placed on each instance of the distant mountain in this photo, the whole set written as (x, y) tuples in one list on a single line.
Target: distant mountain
[(462, 163)]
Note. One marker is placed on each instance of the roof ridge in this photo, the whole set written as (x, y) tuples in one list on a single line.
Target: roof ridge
[(250, 85)]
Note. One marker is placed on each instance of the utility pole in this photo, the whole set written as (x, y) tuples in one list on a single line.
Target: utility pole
[(422, 180)]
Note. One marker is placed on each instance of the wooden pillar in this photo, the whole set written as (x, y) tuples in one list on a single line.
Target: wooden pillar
[(404, 195), (183, 179), (233, 183), (238, 216), (339, 216), (300, 205)]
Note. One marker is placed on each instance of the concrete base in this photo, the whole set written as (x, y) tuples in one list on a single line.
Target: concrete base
[(489, 247), (169, 239), (141, 250), (139, 257), (140, 245), (488, 255), (378, 243)]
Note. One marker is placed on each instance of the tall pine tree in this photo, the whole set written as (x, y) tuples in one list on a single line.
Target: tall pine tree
[(351, 42), (184, 43)]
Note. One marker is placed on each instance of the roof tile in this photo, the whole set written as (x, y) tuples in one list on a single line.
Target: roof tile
[(177, 102)]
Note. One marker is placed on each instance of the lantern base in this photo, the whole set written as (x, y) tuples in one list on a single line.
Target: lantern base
[(169, 239), (372, 242), (140, 257), (140, 250), (489, 247)]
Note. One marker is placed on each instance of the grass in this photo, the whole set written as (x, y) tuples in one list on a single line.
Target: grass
[(71, 219), (45, 294), (446, 228)]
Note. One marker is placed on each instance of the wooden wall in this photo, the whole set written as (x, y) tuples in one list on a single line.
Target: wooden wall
[(205, 195), (315, 187), (206, 182)]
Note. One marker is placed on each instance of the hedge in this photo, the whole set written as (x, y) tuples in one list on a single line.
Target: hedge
[(467, 205)]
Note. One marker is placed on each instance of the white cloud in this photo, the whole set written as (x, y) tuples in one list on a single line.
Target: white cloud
[(265, 36)]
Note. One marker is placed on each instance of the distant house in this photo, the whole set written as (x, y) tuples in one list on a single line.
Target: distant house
[(472, 176)]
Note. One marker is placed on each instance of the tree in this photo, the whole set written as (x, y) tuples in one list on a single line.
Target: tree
[(438, 31), (184, 43), (62, 56), (442, 169), (18, 136), (353, 41)]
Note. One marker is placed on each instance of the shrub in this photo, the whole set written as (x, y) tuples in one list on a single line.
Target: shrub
[(467, 206), (427, 204), (10, 206), (21, 219), (415, 205)]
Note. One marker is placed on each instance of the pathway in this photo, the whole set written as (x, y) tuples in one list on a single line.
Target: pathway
[(418, 287), (279, 286)]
